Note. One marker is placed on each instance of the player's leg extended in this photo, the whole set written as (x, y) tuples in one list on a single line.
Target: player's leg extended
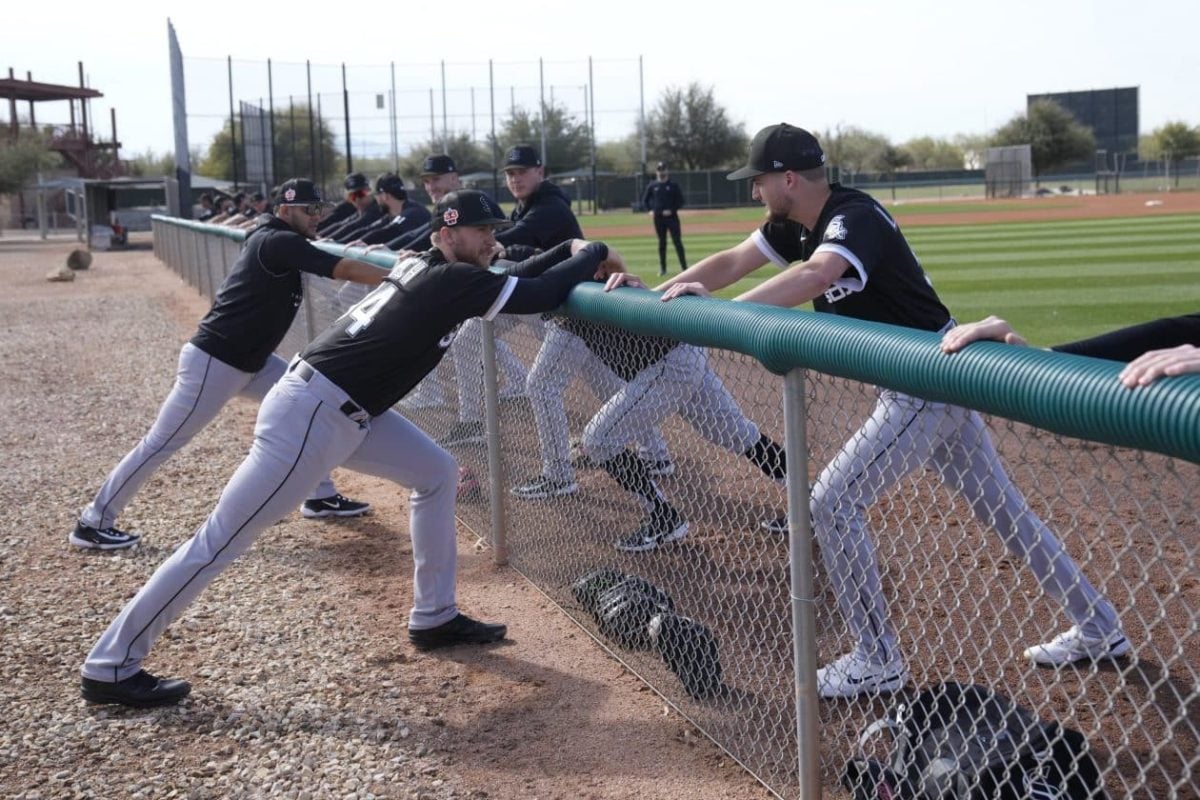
[(257, 389), (677, 239), (510, 368), (604, 383), (715, 415), (548, 380), (297, 438), (203, 385), (400, 451), (660, 230), (636, 412), (897, 438), (467, 353), (968, 463)]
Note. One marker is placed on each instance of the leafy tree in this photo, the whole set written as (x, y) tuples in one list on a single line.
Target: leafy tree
[(568, 140), (22, 157), (1055, 137), (688, 129), (926, 152), (289, 160), (856, 150), (1174, 142), (974, 148), (623, 156), (149, 164)]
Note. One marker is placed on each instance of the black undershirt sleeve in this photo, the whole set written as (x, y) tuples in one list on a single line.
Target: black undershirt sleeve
[(1126, 344), (548, 290), (535, 265)]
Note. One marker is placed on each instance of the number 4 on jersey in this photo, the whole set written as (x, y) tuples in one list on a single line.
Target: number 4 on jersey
[(363, 312)]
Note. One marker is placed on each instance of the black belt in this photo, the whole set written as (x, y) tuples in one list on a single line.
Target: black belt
[(305, 372)]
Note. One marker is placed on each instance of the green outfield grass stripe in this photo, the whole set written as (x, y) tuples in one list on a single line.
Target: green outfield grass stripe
[(1133, 257), (1108, 247), (948, 278), (1016, 228)]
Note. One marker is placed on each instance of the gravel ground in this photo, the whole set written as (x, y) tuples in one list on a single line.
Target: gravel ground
[(303, 683)]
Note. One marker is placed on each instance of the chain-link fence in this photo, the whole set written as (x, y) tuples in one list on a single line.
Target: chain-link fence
[(736, 610)]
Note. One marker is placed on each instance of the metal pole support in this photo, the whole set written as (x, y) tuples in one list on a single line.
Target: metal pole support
[(491, 404), (804, 621)]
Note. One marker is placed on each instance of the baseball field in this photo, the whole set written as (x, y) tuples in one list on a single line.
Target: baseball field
[(305, 685)]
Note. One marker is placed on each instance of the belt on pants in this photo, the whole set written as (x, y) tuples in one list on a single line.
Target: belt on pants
[(305, 372)]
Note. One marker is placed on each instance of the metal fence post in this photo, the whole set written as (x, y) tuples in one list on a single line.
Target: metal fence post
[(804, 621), (491, 404)]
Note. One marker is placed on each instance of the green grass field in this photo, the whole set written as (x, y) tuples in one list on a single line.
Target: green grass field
[(1055, 281)]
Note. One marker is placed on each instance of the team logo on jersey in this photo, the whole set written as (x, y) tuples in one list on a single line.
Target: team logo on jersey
[(289, 195), (777, 164), (836, 229), (450, 216)]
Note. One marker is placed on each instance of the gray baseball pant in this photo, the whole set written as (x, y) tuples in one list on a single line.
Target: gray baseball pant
[(561, 355), (906, 433), (467, 352), (681, 381), (203, 385), (301, 434)]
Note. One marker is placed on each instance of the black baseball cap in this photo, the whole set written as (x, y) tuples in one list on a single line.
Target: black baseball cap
[(522, 155), (356, 180), (299, 192), (661, 166), (391, 183), (467, 208), (781, 147), (437, 165)]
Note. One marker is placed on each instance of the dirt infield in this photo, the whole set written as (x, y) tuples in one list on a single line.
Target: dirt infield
[(305, 685), (1040, 209)]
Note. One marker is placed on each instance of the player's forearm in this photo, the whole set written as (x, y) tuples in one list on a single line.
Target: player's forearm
[(547, 291), (355, 271), (538, 264), (787, 289), (715, 272)]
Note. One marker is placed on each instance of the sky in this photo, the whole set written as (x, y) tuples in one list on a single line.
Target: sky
[(901, 69)]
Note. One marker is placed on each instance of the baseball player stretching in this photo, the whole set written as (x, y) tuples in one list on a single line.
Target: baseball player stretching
[(334, 407), (857, 263), (661, 377), (231, 354)]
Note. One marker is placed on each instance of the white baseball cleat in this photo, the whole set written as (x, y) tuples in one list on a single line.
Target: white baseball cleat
[(854, 674), (1074, 645)]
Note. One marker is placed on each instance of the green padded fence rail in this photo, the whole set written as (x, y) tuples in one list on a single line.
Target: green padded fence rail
[(1070, 395)]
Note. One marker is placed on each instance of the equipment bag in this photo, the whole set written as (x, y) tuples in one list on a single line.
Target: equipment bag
[(966, 742)]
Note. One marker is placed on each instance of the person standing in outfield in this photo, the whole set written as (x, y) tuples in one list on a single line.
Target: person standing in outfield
[(345, 209), (857, 263), (1160, 348), (662, 199), (334, 406), (401, 215), (232, 353), (358, 192)]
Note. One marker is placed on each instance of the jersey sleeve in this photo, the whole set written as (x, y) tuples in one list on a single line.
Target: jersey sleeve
[(856, 234), (283, 253), (481, 292), (780, 242)]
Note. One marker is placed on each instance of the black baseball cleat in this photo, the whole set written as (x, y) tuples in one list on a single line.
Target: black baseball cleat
[(460, 630), (90, 538), (142, 690), (659, 527), (336, 506)]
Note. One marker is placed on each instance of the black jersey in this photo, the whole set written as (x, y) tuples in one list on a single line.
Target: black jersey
[(340, 213), (662, 196), (1127, 344), (542, 221), (411, 217), (885, 282), (257, 302), (387, 342)]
